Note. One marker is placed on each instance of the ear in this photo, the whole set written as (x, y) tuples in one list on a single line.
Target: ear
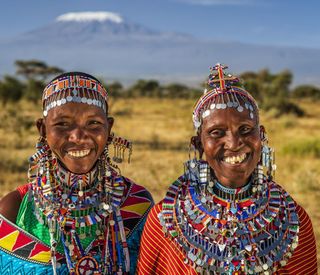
[(110, 124), (263, 133), (196, 142), (41, 127)]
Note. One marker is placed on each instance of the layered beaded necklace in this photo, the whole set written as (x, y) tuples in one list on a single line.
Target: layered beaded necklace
[(248, 230), (82, 213)]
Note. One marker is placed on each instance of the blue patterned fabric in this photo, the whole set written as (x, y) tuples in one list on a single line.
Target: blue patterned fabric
[(11, 265), (133, 242)]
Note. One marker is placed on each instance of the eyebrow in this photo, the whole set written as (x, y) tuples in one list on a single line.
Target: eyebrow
[(61, 117), (222, 123)]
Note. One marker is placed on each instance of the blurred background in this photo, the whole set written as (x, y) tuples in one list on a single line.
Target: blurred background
[(154, 58)]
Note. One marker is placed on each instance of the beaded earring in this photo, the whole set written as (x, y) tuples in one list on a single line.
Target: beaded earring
[(120, 145), (41, 165), (267, 155), (196, 168), (193, 159)]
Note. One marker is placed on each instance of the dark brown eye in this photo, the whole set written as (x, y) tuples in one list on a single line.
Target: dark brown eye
[(246, 130), (217, 133), (62, 124), (94, 122)]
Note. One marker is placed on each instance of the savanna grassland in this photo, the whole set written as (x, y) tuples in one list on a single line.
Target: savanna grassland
[(160, 130)]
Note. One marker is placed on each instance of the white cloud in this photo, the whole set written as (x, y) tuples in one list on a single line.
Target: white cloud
[(217, 2), (91, 16)]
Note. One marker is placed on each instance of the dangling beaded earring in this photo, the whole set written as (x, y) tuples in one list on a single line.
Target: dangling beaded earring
[(40, 173), (196, 169), (266, 163), (192, 155), (120, 145), (267, 155)]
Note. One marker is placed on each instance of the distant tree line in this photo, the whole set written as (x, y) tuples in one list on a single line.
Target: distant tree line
[(34, 73), (272, 91)]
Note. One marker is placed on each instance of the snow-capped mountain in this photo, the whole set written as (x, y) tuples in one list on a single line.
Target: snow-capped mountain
[(105, 44)]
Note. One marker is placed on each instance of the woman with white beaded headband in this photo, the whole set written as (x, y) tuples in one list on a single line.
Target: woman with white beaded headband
[(77, 214), (225, 214)]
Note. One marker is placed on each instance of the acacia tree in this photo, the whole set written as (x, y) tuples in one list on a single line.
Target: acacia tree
[(35, 72), (148, 88), (36, 69), (272, 91)]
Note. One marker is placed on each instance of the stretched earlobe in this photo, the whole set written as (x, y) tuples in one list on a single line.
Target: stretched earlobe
[(110, 124), (41, 127), (196, 142), (263, 133)]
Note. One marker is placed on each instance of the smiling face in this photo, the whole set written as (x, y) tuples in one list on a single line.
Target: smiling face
[(232, 145), (77, 134)]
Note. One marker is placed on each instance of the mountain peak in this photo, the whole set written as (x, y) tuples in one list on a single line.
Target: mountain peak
[(90, 16)]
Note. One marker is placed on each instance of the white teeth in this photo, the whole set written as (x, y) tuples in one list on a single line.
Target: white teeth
[(235, 159), (79, 154)]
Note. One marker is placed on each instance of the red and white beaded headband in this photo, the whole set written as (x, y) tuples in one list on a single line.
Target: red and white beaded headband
[(222, 95), (74, 87)]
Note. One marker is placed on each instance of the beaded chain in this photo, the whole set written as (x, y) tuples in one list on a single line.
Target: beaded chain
[(248, 230)]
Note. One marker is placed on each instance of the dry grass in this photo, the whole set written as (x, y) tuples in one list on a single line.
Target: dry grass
[(161, 130)]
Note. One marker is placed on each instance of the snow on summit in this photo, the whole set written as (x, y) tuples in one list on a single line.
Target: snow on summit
[(90, 16)]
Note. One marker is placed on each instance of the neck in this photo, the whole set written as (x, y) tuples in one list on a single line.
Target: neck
[(69, 179), (232, 194)]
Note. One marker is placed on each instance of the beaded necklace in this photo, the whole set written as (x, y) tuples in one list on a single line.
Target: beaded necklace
[(82, 213), (248, 230)]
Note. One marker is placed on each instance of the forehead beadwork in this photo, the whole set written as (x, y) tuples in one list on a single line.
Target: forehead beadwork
[(221, 94), (74, 87)]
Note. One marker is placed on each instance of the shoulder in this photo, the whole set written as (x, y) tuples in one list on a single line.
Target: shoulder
[(304, 258), (136, 204), (305, 224), (137, 191), (153, 226), (10, 204), (156, 210)]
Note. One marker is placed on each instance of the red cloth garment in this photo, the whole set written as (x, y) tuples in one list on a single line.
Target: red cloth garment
[(23, 189), (160, 255)]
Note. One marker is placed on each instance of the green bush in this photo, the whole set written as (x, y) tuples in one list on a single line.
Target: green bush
[(306, 91), (305, 147)]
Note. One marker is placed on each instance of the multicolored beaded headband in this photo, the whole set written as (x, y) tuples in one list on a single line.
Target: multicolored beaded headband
[(74, 87), (222, 95)]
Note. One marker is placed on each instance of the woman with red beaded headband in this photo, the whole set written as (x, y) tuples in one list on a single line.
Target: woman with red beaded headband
[(77, 214), (225, 214)]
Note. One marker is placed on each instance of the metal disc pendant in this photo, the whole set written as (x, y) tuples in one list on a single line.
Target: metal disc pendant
[(240, 108), (87, 265), (223, 106)]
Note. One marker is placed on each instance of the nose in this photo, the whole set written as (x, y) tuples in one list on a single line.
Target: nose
[(77, 135), (232, 141)]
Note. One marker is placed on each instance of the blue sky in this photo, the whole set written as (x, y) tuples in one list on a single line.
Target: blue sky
[(272, 22)]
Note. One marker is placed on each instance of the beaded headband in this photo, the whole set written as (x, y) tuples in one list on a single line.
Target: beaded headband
[(222, 95), (74, 87)]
